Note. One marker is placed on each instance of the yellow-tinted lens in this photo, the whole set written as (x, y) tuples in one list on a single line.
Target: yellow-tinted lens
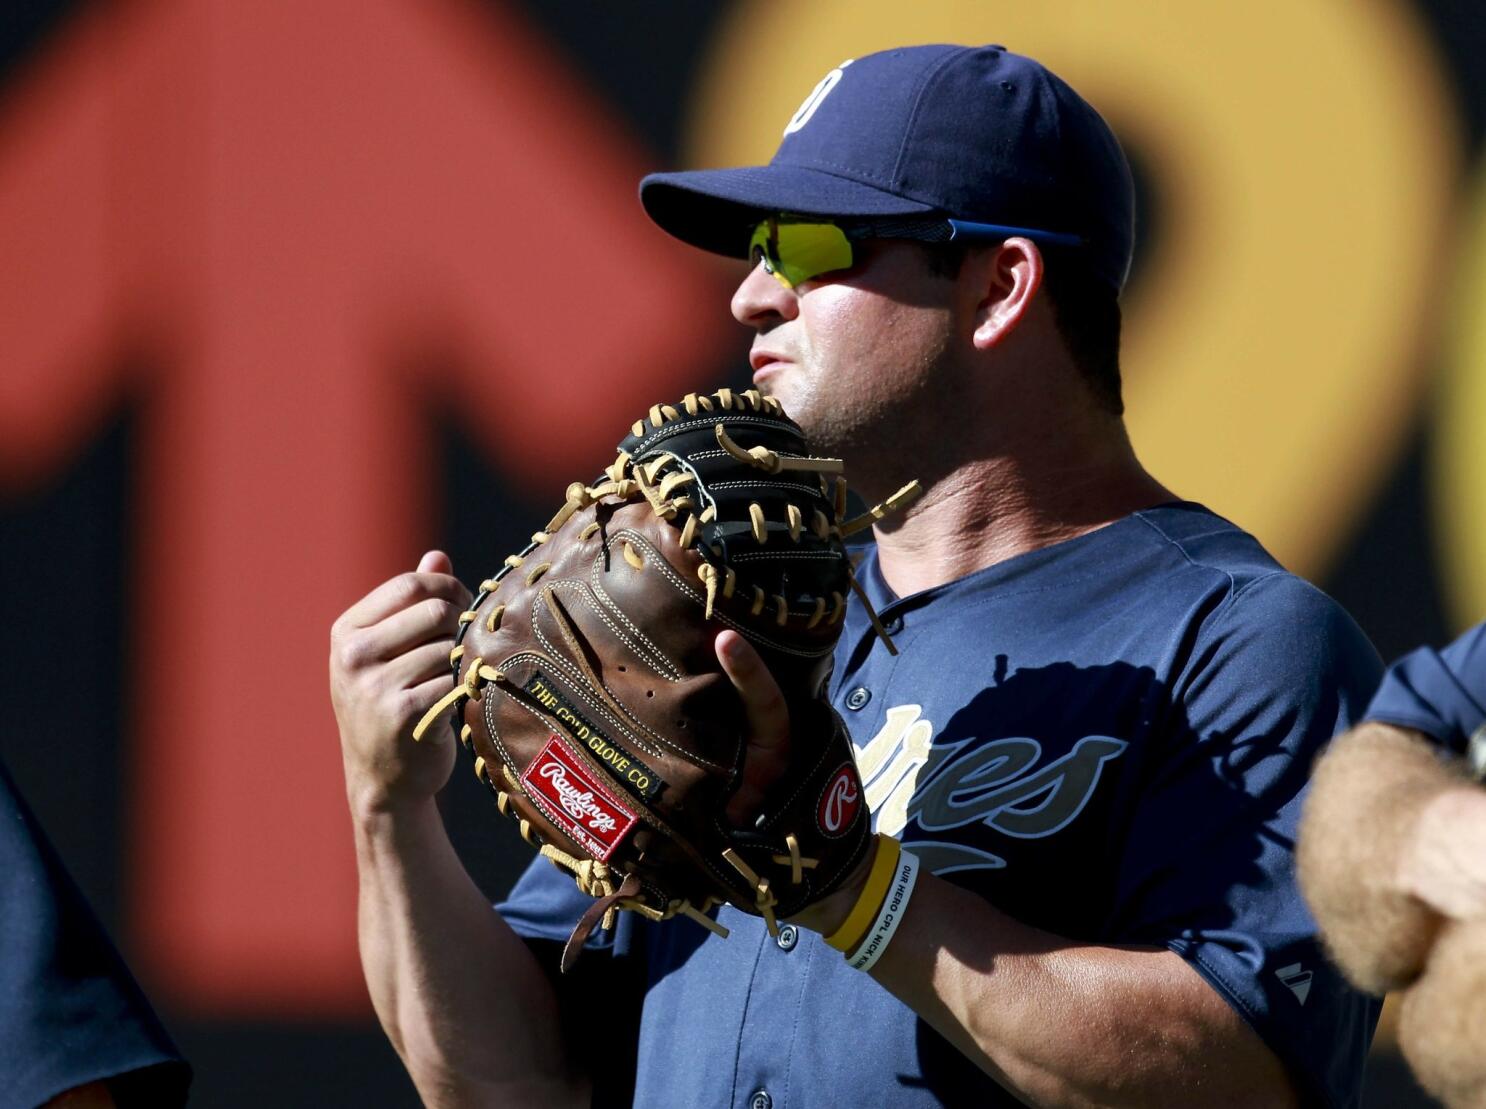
[(796, 252)]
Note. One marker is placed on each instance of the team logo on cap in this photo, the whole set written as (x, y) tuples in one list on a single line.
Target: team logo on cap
[(840, 801), (820, 92)]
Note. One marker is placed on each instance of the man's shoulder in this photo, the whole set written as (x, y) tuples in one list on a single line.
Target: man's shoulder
[(1257, 587), (1262, 611), (1203, 540)]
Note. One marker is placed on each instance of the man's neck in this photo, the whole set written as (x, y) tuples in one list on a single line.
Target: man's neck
[(988, 510)]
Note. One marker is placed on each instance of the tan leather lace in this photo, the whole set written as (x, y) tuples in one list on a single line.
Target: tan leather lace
[(797, 862), (764, 899)]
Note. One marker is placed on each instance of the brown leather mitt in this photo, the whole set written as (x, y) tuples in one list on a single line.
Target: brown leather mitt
[(590, 693)]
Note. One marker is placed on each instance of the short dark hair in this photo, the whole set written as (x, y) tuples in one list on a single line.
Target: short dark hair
[(1086, 311)]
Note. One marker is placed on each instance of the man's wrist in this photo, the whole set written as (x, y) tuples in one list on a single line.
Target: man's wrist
[(830, 912), (373, 802)]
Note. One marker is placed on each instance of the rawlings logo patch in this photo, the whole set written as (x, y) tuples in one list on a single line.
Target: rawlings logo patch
[(840, 801), (633, 774), (591, 816)]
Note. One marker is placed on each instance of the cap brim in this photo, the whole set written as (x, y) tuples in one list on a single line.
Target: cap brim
[(717, 209)]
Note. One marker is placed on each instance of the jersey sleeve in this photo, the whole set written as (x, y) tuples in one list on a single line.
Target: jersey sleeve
[(1273, 674), (70, 1012), (1439, 693), (545, 904)]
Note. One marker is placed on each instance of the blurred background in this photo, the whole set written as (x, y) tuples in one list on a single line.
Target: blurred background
[(291, 292)]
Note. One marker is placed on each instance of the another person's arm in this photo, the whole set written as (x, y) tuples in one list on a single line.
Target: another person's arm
[(460, 996), (1438, 699), (1394, 836)]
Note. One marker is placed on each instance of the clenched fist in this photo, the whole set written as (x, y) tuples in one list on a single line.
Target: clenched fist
[(389, 661)]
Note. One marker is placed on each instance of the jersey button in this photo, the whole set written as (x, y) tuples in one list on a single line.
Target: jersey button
[(893, 625), (761, 1100), (788, 936), (858, 698)]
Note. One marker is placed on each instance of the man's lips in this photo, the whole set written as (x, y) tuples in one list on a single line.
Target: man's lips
[(759, 359), (764, 364)]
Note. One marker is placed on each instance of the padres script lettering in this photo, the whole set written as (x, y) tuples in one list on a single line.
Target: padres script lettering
[(638, 778), (997, 783)]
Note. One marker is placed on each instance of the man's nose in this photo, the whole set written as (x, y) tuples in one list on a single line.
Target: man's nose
[(762, 301)]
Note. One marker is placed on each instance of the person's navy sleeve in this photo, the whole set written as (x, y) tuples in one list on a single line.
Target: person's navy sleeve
[(545, 904), (1439, 693), (70, 1011), (1276, 671)]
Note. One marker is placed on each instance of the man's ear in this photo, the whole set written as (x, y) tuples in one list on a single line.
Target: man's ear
[(1007, 281)]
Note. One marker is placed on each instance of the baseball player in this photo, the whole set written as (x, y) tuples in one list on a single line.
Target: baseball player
[(1091, 745)]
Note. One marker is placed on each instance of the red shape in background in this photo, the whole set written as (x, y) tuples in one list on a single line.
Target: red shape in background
[(280, 210)]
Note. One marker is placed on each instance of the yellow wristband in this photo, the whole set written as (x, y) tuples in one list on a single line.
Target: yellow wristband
[(854, 927)]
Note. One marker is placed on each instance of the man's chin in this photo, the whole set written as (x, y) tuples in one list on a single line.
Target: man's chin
[(798, 409), (824, 432), (777, 385)]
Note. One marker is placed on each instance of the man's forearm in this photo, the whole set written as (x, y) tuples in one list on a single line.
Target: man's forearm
[(1060, 1023), (461, 998)]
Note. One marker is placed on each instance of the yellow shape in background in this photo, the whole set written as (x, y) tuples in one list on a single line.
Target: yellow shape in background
[(1459, 509), (1304, 155)]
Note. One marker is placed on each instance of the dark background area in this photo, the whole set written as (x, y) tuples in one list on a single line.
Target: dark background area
[(65, 549)]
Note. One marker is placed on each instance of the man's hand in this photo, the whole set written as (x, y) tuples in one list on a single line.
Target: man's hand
[(1443, 862), (768, 754), (767, 715), (458, 993), (389, 660)]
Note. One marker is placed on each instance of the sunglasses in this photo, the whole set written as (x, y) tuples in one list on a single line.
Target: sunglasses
[(795, 249)]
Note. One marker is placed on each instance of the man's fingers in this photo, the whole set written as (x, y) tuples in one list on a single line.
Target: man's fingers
[(421, 664), (435, 562), (768, 715), (420, 699), (424, 622), (768, 723), (402, 591), (430, 621)]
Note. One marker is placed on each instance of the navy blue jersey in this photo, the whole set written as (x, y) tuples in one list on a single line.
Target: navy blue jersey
[(1439, 693), (70, 1012), (1109, 739)]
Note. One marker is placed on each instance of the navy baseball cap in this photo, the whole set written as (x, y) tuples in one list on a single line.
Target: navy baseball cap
[(969, 133)]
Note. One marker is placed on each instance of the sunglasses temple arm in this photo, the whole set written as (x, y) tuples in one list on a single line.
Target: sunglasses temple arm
[(988, 232)]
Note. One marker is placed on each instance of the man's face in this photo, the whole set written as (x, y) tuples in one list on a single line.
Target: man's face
[(852, 353)]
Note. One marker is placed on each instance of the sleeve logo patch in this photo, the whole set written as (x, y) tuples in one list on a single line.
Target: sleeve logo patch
[(840, 801), (591, 816), (633, 774)]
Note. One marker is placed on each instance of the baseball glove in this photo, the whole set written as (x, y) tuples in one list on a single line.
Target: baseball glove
[(589, 689)]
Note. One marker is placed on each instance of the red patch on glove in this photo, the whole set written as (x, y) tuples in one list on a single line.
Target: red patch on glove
[(573, 799)]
